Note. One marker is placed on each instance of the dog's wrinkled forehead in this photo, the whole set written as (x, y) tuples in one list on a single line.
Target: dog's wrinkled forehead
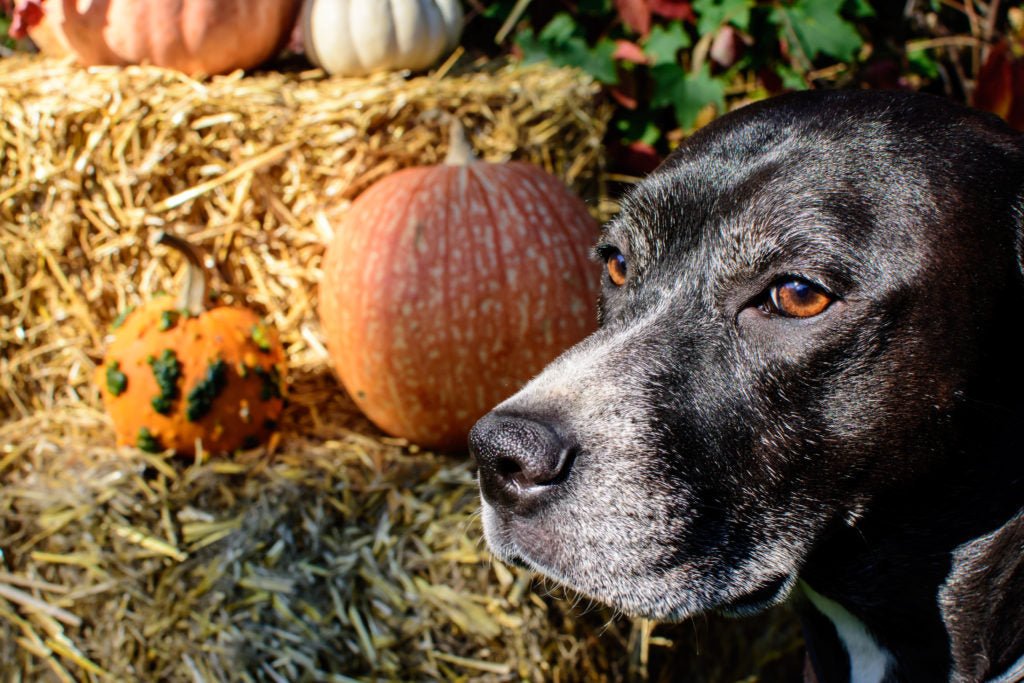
[(808, 184), (781, 199)]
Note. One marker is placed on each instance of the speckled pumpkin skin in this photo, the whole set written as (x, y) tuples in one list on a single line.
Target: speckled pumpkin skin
[(243, 406), (447, 287)]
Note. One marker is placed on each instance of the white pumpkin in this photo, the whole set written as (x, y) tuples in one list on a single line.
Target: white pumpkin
[(357, 37)]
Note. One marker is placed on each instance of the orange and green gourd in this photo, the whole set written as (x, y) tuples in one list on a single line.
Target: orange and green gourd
[(177, 374)]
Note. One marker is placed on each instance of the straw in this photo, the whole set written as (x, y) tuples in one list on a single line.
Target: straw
[(335, 553)]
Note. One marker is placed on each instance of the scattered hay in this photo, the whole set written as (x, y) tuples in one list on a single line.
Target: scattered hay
[(334, 553), (336, 558)]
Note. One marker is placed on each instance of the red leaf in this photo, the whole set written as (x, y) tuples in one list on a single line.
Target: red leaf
[(994, 88), (626, 99), (629, 52), (1016, 115), (625, 93), (635, 14), (672, 9), (636, 158), (27, 13)]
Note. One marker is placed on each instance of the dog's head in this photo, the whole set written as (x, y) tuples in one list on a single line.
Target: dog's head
[(794, 310)]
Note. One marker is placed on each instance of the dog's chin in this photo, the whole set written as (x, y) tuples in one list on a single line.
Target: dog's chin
[(664, 602), (767, 595)]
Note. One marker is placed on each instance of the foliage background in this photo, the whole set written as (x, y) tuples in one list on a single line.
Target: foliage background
[(673, 65)]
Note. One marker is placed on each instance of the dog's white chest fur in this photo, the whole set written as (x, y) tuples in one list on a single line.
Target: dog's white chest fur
[(869, 662)]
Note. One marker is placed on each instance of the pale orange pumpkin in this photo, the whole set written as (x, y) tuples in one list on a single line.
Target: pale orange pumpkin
[(446, 288), (194, 36)]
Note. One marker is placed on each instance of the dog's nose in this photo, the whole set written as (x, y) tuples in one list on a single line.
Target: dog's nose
[(520, 460)]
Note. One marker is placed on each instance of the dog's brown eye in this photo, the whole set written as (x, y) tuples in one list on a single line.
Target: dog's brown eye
[(617, 269), (798, 299)]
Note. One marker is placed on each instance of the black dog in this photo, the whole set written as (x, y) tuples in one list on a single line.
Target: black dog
[(807, 382)]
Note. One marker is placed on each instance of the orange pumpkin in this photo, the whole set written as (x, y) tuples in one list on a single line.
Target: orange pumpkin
[(194, 36), (445, 288), (176, 374)]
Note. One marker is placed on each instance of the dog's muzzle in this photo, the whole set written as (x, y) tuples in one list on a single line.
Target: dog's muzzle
[(522, 462)]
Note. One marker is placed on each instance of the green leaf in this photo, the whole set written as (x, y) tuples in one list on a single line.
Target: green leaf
[(560, 30), (499, 10), (668, 80), (5, 26), (791, 79), (533, 49), (637, 126), (597, 8), (562, 43), (711, 14), (600, 62), (921, 62), (665, 42), (819, 28), (686, 93), (651, 134), (861, 9)]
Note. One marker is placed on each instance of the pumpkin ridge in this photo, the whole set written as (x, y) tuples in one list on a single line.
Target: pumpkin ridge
[(474, 172), (498, 260), (437, 36), (454, 16), (361, 49), (501, 229), (450, 176), (423, 174), (419, 208), (369, 291), (565, 223)]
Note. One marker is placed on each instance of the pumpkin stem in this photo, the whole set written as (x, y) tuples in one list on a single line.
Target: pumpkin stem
[(193, 295), (460, 152)]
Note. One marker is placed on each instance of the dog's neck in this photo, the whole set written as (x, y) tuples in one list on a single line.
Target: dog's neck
[(864, 660), (928, 586)]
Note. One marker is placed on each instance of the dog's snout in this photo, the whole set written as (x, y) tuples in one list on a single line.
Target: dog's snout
[(520, 460)]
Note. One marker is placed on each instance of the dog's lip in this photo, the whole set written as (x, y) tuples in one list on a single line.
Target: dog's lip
[(516, 561), (766, 595), (502, 545)]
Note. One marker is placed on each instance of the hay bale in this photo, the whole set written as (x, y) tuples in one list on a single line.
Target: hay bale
[(334, 553), (94, 160)]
